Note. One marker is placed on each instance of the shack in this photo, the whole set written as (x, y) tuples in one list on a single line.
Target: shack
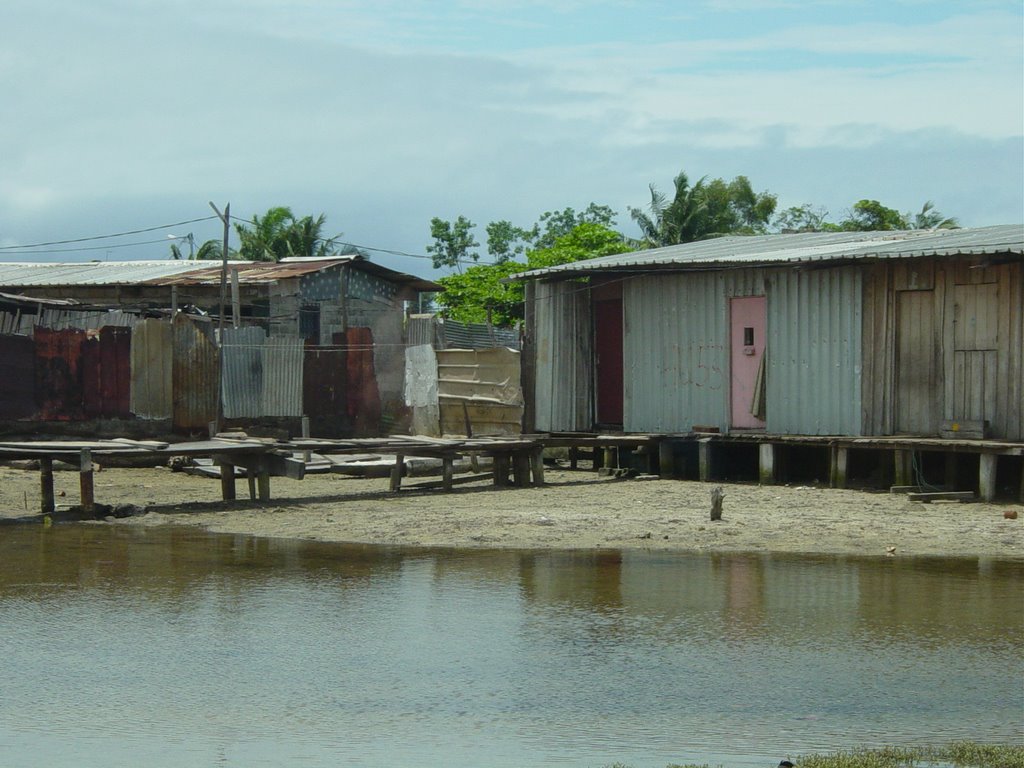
[(800, 339), (322, 338)]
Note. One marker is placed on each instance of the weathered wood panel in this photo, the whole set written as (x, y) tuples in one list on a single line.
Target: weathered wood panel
[(917, 369), (152, 370), (196, 374)]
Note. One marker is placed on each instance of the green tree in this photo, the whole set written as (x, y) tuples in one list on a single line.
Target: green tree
[(554, 224), (453, 243), (588, 240), (872, 216), (506, 241), (278, 234), (805, 218), (702, 210)]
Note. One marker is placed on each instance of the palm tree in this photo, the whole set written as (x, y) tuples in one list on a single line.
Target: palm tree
[(278, 235), (929, 218), (680, 221)]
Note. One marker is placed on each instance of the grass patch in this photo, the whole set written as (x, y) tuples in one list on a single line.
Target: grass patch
[(966, 754)]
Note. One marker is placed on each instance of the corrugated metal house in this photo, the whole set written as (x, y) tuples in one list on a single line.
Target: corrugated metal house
[(850, 334), (346, 311)]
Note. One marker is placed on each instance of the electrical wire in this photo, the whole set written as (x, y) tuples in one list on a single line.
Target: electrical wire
[(106, 237)]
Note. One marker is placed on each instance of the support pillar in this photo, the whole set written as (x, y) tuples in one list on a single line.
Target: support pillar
[(501, 468), (903, 467), (447, 471), (987, 476), (521, 468), (766, 463), (537, 465), (951, 473), (666, 459), (86, 480), (837, 466), (227, 481), (611, 458), (396, 473), (47, 504), (704, 457)]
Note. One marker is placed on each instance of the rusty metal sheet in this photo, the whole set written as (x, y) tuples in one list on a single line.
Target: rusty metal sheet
[(364, 406), (58, 376), (17, 384), (324, 376), (106, 373), (152, 356), (243, 372), (196, 374)]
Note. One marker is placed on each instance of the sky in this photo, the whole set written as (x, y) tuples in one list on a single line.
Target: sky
[(129, 115)]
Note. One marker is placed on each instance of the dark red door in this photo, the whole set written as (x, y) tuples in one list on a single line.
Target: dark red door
[(608, 345)]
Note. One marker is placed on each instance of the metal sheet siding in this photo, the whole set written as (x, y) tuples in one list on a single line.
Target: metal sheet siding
[(564, 360), (676, 348), (242, 380), (17, 366), (106, 373), (814, 352), (58, 375), (282, 376), (195, 374), (151, 370)]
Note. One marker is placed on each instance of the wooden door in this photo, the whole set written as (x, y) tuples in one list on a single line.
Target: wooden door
[(748, 323), (916, 364), (608, 368)]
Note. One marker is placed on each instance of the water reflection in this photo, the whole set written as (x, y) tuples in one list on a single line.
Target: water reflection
[(189, 648)]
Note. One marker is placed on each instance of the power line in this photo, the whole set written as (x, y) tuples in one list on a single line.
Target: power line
[(88, 248), (105, 237)]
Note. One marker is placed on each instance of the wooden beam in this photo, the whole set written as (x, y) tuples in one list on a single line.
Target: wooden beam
[(942, 496)]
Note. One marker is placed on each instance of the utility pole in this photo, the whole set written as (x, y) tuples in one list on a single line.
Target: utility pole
[(226, 218)]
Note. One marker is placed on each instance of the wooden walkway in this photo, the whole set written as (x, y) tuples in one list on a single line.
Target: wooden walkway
[(522, 458)]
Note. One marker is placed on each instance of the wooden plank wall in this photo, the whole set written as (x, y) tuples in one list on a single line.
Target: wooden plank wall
[(943, 340)]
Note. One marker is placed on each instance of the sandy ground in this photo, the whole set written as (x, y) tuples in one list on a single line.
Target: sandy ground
[(575, 510)]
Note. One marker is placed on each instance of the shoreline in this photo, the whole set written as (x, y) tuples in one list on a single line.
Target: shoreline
[(575, 510)]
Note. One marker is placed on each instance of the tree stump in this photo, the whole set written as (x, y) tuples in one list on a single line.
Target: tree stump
[(716, 502)]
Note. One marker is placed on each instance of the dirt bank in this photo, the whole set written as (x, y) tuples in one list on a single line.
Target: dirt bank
[(575, 510)]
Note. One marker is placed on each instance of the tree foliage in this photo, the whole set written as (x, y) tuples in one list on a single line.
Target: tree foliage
[(278, 234), (702, 210), (453, 243)]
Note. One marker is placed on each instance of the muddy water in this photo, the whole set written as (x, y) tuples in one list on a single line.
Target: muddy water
[(172, 647)]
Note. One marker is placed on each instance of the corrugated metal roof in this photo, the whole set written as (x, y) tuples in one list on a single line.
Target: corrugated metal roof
[(92, 273), (802, 247), (171, 272)]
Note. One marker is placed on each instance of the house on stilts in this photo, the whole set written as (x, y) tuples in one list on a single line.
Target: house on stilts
[(875, 358)]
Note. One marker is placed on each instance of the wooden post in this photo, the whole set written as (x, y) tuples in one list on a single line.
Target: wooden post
[(227, 481), (951, 471), (236, 309), (574, 457), (521, 468), (263, 481), (306, 455), (396, 473), (537, 465), (46, 485), (837, 466), (86, 480), (447, 471), (716, 502), (766, 463), (903, 466), (611, 457), (250, 479), (987, 476), (704, 456), (501, 468), (666, 459)]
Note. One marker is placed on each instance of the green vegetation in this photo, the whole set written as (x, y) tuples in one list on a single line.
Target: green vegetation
[(706, 209), (961, 755), (276, 235)]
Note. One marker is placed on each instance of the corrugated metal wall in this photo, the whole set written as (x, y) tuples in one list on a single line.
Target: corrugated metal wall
[(58, 376), (106, 373), (676, 350), (564, 389), (282, 376), (17, 377), (814, 352), (242, 379), (195, 374), (151, 370)]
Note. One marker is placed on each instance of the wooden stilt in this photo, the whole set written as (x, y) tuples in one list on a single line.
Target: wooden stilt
[(837, 466), (666, 459), (263, 482), (396, 473), (501, 462), (766, 463), (250, 478), (903, 467), (574, 457), (987, 476), (521, 468), (447, 471), (227, 481), (86, 480), (704, 456), (46, 485), (537, 465)]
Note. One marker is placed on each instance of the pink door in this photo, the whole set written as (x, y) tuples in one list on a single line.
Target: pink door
[(747, 325)]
